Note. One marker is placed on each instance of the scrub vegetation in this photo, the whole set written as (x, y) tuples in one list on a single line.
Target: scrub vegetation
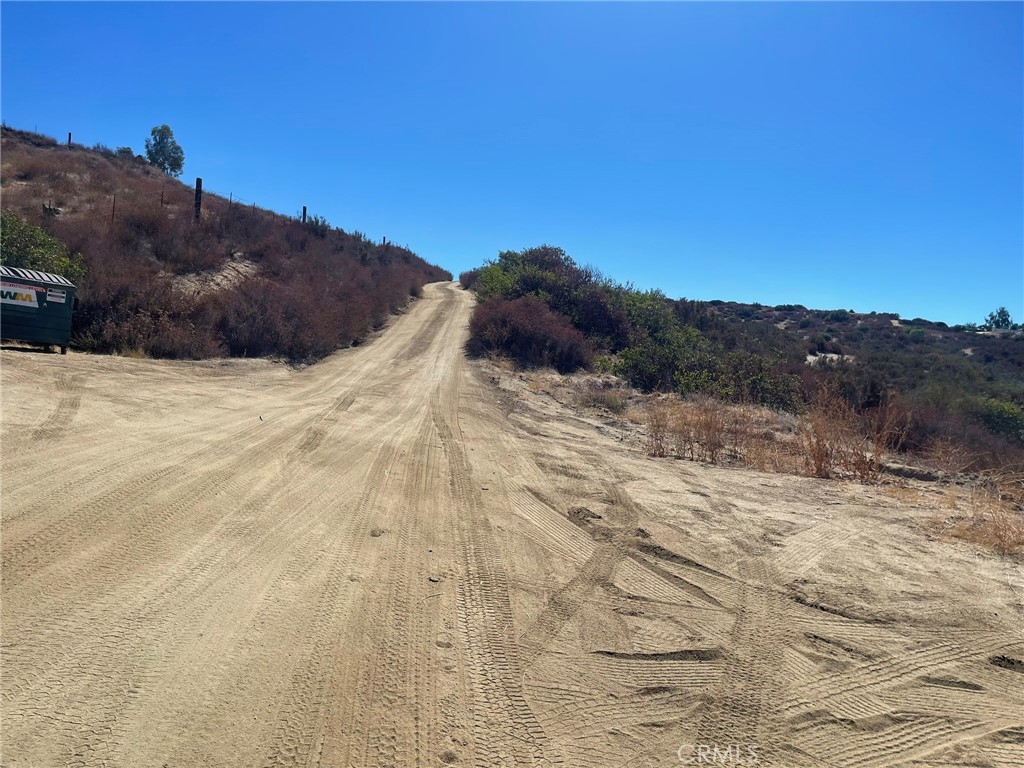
[(862, 385), (154, 281)]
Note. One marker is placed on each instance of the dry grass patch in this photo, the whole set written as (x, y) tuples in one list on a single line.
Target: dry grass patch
[(830, 440), (988, 512), (993, 514), (603, 394), (904, 494)]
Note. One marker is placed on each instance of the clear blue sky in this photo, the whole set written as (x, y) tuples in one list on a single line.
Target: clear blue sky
[(862, 155)]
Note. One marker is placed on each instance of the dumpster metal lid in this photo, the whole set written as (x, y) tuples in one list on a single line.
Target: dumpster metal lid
[(33, 274)]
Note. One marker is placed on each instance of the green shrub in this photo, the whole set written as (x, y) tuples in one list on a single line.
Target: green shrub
[(1003, 418), (28, 247), (493, 282)]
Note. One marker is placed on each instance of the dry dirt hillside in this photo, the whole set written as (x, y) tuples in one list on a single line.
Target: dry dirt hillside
[(398, 557)]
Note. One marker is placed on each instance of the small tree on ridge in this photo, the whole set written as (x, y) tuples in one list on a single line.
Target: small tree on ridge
[(164, 152)]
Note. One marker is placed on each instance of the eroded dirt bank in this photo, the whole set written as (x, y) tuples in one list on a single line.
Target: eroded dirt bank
[(378, 561)]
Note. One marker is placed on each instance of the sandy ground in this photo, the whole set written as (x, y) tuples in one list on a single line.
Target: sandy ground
[(399, 557)]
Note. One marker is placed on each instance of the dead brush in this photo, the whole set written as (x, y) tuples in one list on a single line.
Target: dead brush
[(825, 434), (834, 437), (995, 517), (536, 385), (683, 428), (760, 449), (658, 418), (762, 439), (948, 456), (886, 430), (700, 430), (712, 430)]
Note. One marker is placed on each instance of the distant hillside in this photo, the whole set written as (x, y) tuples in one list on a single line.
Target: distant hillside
[(240, 281), (847, 333), (947, 385)]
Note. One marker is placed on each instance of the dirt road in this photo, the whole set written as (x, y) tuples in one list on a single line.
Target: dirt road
[(399, 557)]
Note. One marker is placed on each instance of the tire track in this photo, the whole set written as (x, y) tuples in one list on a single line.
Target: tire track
[(566, 602), (60, 421), (743, 708), (147, 620), (300, 733), (505, 728)]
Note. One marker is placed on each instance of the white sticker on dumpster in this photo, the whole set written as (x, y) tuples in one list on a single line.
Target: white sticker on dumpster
[(16, 293), (56, 295)]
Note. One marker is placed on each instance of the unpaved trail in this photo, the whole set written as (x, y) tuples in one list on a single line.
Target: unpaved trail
[(398, 557)]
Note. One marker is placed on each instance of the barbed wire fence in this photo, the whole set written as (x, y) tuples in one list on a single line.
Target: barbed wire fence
[(206, 202)]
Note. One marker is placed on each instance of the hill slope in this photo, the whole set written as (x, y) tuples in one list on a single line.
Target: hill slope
[(944, 384), (241, 280)]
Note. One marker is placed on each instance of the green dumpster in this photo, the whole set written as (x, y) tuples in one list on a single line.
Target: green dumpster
[(36, 307)]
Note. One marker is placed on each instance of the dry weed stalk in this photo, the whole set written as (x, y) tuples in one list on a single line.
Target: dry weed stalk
[(760, 450), (699, 429), (948, 456), (887, 429), (658, 418), (834, 437), (826, 434), (535, 385), (712, 429), (996, 519), (684, 433)]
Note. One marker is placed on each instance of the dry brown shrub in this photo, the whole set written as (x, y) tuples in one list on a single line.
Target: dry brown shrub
[(827, 433), (701, 429), (712, 429), (761, 450), (658, 418), (950, 499), (683, 428), (834, 437), (948, 456), (635, 415), (904, 494), (705, 429), (886, 430)]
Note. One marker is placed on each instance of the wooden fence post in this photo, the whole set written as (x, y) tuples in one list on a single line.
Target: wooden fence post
[(303, 214), (199, 196), (69, 138)]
